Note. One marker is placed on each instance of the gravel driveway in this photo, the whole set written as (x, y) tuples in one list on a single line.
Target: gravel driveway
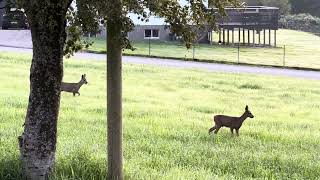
[(20, 41)]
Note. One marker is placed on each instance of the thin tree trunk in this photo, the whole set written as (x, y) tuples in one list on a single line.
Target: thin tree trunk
[(38, 141), (114, 91)]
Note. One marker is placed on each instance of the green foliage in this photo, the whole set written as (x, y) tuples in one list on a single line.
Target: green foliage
[(306, 6), (291, 6), (74, 42), (86, 16), (89, 15), (303, 22), (167, 114)]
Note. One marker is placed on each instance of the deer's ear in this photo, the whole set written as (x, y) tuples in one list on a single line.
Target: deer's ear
[(247, 108), (84, 75)]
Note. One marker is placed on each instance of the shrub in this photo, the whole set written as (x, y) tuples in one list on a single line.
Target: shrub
[(303, 22)]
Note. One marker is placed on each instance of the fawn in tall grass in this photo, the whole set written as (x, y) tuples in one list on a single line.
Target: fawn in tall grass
[(74, 87), (230, 122)]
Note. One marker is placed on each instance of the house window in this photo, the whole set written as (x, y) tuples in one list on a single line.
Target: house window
[(155, 33), (147, 33), (151, 34)]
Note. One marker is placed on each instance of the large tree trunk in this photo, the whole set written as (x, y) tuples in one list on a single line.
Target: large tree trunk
[(114, 91), (38, 141)]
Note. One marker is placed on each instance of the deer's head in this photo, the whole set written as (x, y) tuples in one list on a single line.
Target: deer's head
[(83, 79), (248, 113)]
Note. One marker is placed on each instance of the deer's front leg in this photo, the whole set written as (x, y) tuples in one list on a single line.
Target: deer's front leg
[(237, 131), (74, 94), (78, 93), (211, 129)]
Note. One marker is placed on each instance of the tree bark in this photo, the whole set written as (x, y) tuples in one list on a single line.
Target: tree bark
[(114, 91), (38, 141)]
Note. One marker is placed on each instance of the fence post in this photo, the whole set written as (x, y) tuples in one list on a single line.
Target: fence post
[(284, 55), (193, 51), (149, 48), (238, 52)]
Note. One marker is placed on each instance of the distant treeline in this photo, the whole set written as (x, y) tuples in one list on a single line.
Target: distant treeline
[(305, 6), (302, 22), (290, 6), (301, 15)]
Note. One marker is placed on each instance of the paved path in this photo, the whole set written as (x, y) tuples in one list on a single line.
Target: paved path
[(10, 40), (192, 65), (16, 38)]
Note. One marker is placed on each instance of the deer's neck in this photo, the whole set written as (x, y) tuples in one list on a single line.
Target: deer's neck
[(243, 117), (80, 83)]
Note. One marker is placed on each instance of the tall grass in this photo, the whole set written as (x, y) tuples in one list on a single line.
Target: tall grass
[(167, 114)]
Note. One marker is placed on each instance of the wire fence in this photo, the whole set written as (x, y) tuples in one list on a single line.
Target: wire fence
[(298, 49), (299, 56)]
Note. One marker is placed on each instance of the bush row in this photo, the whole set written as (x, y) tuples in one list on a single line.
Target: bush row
[(303, 22)]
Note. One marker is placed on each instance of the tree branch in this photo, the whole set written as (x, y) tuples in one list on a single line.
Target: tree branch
[(68, 4)]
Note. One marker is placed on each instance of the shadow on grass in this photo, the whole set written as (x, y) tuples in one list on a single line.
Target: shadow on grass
[(80, 165), (10, 168)]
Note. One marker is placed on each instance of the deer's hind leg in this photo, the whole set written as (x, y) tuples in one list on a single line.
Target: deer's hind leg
[(231, 130), (211, 129), (78, 93)]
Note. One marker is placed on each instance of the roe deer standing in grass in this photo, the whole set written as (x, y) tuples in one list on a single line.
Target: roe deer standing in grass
[(74, 87), (231, 122)]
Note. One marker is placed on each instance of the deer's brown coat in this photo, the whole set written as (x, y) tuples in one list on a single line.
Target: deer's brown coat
[(231, 122), (74, 87)]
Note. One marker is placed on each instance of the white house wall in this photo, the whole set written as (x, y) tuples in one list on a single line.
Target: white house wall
[(138, 33)]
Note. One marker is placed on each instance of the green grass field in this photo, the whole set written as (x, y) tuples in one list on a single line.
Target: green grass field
[(302, 50), (167, 114)]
